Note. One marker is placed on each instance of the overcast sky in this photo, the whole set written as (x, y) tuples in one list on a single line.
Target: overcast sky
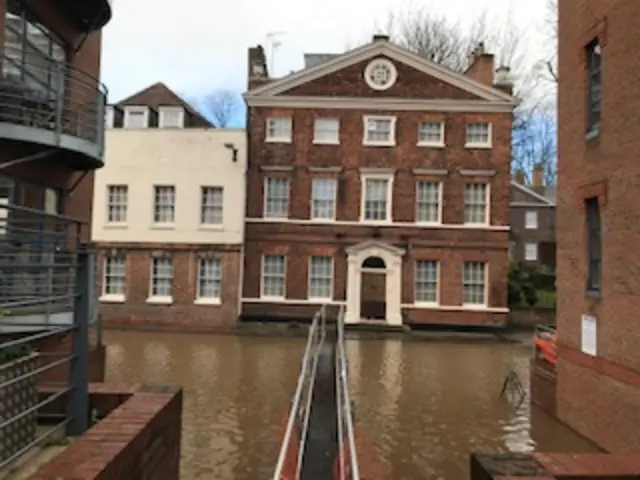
[(196, 46)]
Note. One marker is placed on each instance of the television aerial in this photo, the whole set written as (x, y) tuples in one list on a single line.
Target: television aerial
[(274, 43)]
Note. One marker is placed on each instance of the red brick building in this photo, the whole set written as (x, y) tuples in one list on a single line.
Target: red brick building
[(381, 181), (598, 275)]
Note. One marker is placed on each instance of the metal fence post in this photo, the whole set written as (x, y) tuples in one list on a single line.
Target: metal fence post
[(78, 405)]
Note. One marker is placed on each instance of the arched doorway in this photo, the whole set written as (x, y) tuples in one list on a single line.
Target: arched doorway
[(374, 269), (373, 289)]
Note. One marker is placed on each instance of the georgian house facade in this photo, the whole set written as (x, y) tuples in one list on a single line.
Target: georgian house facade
[(167, 215), (379, 181)]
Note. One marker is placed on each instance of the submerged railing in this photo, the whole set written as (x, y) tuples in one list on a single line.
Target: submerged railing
[(47, 309), (319, 435)]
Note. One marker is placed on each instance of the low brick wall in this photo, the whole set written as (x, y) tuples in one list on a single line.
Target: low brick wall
[(139, 438), (543, 386), (550, 466), (525, 318)]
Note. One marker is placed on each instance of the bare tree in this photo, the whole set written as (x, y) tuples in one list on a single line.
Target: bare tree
[(534, 142), (222, 107), (550, 31)]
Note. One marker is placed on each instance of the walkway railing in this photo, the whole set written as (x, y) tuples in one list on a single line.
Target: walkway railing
[(348, 467), (312, 422), (46, 290)]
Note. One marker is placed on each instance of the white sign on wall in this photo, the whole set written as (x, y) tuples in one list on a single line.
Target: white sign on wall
[(589, 335)]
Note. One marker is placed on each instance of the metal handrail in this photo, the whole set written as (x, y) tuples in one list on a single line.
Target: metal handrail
[(345, 417), (38, 91), (294, 412)]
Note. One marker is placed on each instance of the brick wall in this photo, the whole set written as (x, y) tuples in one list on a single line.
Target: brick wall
[(300, 161), (182, 313), (139, 439), (543, 388), (600, 397)]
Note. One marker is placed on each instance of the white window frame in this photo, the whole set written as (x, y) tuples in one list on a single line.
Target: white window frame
[(440, 143), (109, 116), (107, 273), (311, 278), (487, 144), (531, 252), (379, 143), (275, 138), (312, 215), (131, 109), (417, 301), (531, 220), (206, 205), (389, 177), (262, 278), (169, 223), (166, 112), (335, 122), (216, 279), (487, 209), (265, 211), (110, 206), (153, 296), (485, 292), (418, 203)]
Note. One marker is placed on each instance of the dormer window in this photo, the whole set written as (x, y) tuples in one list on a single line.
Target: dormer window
[(136, 117), (171, 117), (108, 117)]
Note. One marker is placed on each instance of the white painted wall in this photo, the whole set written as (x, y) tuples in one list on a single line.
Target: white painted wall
[(187, 158)]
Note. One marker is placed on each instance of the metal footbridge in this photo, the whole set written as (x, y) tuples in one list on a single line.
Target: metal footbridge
[(319, 440)]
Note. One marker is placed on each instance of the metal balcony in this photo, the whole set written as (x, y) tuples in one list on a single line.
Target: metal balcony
[(52, 105), (88, 15)]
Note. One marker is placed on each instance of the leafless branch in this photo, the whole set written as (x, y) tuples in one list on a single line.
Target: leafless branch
[(222, 107)]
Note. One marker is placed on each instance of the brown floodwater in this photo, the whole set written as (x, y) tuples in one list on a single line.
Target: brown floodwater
[(423, 405)]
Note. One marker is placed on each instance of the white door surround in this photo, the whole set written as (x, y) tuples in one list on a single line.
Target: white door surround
[(392, 257)]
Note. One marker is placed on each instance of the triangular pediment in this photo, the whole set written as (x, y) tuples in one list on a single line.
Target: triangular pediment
[(399, 55), (372, 246)]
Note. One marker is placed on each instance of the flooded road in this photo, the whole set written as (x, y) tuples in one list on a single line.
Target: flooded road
[(424, 405)]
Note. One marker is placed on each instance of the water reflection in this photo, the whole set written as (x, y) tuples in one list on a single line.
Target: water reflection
[(424, 406)]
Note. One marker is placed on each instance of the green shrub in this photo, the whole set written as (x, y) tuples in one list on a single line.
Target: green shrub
[(14, 352)]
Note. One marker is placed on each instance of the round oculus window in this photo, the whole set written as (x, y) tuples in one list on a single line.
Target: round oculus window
[(380, 74)]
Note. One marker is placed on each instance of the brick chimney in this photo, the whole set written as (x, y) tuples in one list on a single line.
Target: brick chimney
[(481, 65), (502, 79), (257, 74), (520, 177), (537, 177)]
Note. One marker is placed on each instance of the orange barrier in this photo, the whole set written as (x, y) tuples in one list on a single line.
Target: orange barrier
[(289, 472), (547, 348)]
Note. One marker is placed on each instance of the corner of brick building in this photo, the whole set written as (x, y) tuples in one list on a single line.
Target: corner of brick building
[(599, 395)]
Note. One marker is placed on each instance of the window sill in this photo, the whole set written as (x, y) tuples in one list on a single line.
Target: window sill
[(112, 298), (593, 134), (270, 298), (207, 301), (160, 300), (430, 145), (116, 226), (428, 224), (323, 220), (381, 144), (211, 227), (325, 142), (274, 219), (476, 225), (476, 306), (319, 299), (376, 222), (163, 226), (278, 140), (426, 304), (594, 294), (478, 146)]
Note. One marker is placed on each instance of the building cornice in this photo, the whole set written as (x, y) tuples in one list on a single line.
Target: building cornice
[(388, 104)]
